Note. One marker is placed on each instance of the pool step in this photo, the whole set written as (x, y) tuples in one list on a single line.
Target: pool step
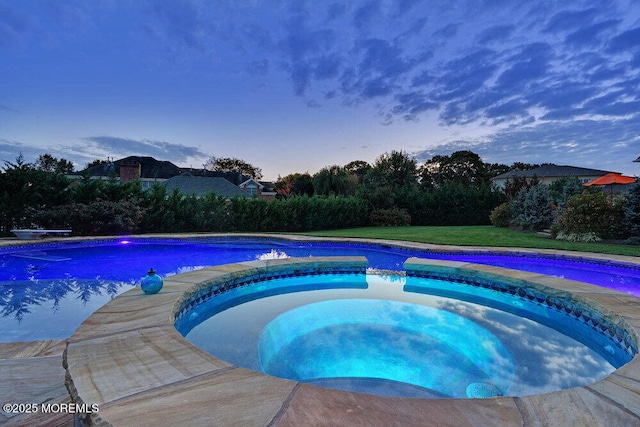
[(40, 255)]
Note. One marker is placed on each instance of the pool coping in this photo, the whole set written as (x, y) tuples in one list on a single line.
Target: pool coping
[(130, 361)]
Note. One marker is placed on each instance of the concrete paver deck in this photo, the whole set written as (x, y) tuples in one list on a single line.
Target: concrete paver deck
[(33, 373)]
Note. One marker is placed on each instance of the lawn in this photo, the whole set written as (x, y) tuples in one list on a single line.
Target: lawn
[(477, 236)]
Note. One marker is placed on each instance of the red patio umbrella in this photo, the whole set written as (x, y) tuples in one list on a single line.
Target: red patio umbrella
[(611, 179)]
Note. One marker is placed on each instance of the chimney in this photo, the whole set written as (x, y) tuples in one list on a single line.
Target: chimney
[(130, 171)]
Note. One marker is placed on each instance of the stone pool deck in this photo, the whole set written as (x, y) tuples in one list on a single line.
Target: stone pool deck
[(129, 359), (32, 373)]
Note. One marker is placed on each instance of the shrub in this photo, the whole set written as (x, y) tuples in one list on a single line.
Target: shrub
[(100, 217), (565, 187), (389, 217), (578, 237), (591, 213), (634, 240), (452, 203), (533, 208), (297, 213), (631, 210), (501, 215)]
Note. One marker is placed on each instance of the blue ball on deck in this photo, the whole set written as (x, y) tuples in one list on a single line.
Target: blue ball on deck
[(151, 283)]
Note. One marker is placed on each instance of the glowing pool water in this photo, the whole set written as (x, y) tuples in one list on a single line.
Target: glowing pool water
[(47, 290), (389, 340)]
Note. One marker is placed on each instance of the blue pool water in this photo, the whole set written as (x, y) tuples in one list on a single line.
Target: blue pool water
[(391, 335), (47, 290)]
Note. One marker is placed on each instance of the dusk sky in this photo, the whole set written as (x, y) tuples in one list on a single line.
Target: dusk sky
[(293, 86)]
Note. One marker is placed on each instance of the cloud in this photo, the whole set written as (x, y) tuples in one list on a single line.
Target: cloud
[(568, 20), (125, 147), (406, 6), (180, 21), (626, 41), (326, 66), (101, 147), (446, 32), (336, 10), (364, 15), (258, 68), (383, 58), (495, 34), (590, 35), (604, 144), (10, 150), (304, 48), (522, 71), (462, 77), (410, 105), (7, 109), (489, 65)]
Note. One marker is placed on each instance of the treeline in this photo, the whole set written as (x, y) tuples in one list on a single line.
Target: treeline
[(456, 190)]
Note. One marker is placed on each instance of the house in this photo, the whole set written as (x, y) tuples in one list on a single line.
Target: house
[(258, 189), (549, 173), (147, 169), (200, 185)]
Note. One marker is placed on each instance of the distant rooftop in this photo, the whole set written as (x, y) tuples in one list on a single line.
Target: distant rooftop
[(551, 170), (149, 167), (199, 185)]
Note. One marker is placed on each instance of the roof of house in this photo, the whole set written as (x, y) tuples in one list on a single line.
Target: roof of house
[(149, 167), (551, 170), (233, 177), (200, 185)]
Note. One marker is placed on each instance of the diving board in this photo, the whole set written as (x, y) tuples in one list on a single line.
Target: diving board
[(34, 234)]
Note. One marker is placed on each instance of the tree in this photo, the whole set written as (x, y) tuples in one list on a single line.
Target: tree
[(24, 190), (516, 184), (631, 220), (565, 187), (48, 163), (465, 167), (333, 181), (589, 216), (294, 184), (533, 208), (396, 170), (519, 166), (495, 169), (229, 164), (358, 168), (96, 162)]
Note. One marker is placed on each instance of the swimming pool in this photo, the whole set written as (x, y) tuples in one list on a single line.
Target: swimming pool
[(395, 336), (47, 290)]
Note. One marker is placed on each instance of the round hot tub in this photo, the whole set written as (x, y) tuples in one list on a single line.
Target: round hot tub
[(422, 335)]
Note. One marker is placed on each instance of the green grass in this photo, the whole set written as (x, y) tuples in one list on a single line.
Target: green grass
[(477, 236)]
